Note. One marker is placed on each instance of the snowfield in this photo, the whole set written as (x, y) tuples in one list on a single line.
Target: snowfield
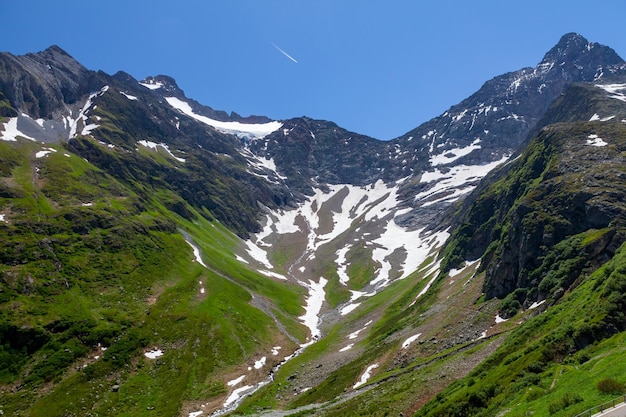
[(249, 130)]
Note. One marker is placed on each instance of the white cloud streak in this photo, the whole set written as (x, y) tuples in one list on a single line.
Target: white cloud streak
[(284, 53)]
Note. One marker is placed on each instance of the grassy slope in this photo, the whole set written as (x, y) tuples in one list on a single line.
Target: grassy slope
[(86, 262), (551, 357)]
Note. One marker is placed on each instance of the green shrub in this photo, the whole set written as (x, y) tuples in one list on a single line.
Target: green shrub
[(564, 402), (610, 386)]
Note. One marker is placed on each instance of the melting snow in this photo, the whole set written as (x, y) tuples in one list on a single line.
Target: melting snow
[(275, 350), (260, 363), (2, 218), (500, 319), (366, 375), (45, 152), (342, 266), (355, 334), (257, 254), (454, 154), (615, 91), (251, 130), (314, 302), (594, 140), (154, 353), (536, 304), (152, 84), (434, 271), (194, 413), (349, 308), (82, 116), (410, 340), (596, 117), (454, 272), (11, 132), (234, 396), (196, 253), (346, 348), (358, 294), (273, 274), (152, 145), (451, 185), (128, 96)]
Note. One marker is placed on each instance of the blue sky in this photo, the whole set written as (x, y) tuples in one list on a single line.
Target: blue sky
[(378, 68)]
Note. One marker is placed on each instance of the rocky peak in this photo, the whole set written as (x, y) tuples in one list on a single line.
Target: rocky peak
[(581, 59), (41, 84), (165, 84)]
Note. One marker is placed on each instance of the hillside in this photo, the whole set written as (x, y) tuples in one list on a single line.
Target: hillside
[(161, 257)]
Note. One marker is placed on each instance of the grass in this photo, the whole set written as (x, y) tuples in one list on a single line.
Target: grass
[(117, 273), (543, 361)]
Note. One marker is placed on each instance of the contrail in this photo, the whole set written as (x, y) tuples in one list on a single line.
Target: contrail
[(284, 53)]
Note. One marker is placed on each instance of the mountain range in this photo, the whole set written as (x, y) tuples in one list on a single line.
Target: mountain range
[(160, 257)]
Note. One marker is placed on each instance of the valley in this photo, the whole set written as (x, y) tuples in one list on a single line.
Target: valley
[(160, 257)]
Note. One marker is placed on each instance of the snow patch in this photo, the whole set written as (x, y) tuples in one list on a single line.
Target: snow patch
[(154, 353), (260, 363), (594, 140), (536, 304), (346, 348), (355, 334), (152, 84), (500, 319), (366, 376), (451, 185), (45, 152), (410, 340), (615, 91), (342, 266), (596, 117), (249, 130), (236, 394), (82, 118), (258, 254), (11, 132), (349, 308), (152, 145), (452, 155), (314, 302), (196, 253), (453, 272), (273, 274), (128, 96)]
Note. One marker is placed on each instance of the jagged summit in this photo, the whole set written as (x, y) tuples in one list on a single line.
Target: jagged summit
[(164, 83), (580, 58)]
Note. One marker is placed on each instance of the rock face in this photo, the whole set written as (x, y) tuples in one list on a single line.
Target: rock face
[(558, 209), (43, 84)]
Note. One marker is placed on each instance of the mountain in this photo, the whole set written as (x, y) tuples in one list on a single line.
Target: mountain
[(548, 229), (160, 256)]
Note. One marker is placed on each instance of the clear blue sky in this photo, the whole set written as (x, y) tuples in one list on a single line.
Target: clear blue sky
[(379, 68)]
